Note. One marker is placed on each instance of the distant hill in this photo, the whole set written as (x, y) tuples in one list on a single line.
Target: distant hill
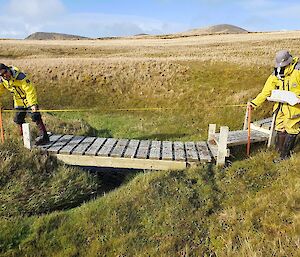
[(53, 36), (216, 29)]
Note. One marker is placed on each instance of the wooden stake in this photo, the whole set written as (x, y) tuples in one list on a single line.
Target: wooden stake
[(246, 118), (249, 129), (211, 132), (272, 136), (1, 126), (222, 146), (26, 136)]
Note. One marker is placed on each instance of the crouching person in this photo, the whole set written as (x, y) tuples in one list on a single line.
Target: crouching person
[(286, 76), (25, 99)]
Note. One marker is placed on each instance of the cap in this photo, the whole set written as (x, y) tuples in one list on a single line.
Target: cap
[(283, 58)]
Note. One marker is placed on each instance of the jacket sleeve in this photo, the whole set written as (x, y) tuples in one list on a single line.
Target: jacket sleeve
[(2, 89), (266, 91), (30, 91)]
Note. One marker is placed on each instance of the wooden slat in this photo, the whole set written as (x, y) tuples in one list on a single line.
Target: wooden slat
[(155, 150), (80, 149), (203, 151), (67, 149), (240, 137), (94, 148), (191, 151), (107, 148), (167, 151), (131, 148), (143, 150), (60, 143), (119, 149), (179, 151), (53, 139)]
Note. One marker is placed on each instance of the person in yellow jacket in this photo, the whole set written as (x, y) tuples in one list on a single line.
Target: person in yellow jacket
[(25, 98), (286, 76)]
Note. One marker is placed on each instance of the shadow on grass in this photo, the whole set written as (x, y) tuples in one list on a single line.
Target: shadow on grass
[(92, 132)]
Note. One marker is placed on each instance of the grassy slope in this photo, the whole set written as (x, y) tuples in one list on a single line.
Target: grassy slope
[(250, 209)]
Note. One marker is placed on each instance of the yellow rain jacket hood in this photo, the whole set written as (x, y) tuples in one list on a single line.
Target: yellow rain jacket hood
[(290, 82), (24, 92)]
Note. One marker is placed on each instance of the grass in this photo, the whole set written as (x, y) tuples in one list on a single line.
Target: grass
[(248, 209)]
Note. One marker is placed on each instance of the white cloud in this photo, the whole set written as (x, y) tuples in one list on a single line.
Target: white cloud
[(35, 9)]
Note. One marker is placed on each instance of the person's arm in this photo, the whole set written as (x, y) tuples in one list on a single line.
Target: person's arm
[(30, 91), (2, 89), (266, 92)]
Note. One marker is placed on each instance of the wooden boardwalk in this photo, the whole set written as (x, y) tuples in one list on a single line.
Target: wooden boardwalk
[(147, 154), (125, 153)]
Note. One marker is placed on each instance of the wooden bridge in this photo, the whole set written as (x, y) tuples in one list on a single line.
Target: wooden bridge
[(147, 154)]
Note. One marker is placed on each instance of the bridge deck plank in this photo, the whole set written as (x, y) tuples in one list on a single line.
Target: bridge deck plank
[(83, 146), (155, 150), (95, 146), (60, 143), (67, 149)]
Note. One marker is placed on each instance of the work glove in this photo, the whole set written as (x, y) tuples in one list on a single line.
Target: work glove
[(34, 108)]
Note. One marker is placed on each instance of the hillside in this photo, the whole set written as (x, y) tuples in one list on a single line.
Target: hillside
[(53, 36), (216, 29), (250, 208)]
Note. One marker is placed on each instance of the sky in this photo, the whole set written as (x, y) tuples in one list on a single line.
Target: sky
[(107, 18)]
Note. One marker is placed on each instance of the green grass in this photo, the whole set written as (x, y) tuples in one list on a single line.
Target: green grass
[(249, 209)]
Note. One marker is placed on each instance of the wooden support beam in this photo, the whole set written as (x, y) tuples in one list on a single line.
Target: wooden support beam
[(115, 162), (26, 136), (211, 131), (222, 146)]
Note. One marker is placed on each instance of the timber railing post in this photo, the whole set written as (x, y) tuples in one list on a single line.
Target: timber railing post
[(26, 135), (211, 132), (222, 146)]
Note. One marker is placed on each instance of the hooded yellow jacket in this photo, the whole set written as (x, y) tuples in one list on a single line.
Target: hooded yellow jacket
[(23, 91), (290, 82)]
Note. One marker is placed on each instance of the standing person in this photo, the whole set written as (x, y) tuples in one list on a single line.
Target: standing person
[(286, 76), (25, 99)]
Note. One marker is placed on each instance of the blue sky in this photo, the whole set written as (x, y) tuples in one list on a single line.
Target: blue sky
[(101, 18)]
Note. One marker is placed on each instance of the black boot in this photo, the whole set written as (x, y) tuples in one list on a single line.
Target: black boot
[(44, 138), (279, 140), (288, 146)]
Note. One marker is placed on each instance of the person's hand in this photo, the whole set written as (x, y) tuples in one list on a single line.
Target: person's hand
[(250, 105), (34, 108)]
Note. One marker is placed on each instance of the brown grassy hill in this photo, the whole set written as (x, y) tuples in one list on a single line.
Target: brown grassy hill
[(53, 36), (216, 29)]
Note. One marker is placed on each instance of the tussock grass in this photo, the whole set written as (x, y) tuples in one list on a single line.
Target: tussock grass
[(34, 183), (249, 209)]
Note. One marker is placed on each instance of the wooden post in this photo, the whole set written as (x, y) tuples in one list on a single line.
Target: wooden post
[(211, 131), (222, 146), (249, 129), (26, 135), (272, 136), (1, 126), (246, 118)]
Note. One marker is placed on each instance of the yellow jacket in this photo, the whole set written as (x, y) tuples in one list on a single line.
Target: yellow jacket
[(290, 82), (24, 92)]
